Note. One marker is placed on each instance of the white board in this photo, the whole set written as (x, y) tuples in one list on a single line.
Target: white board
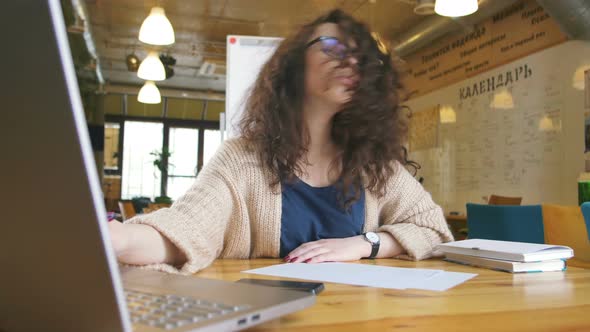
[(245, 57), (534, 150)]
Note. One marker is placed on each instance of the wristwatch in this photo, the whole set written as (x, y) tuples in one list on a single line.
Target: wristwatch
[(374, 240)]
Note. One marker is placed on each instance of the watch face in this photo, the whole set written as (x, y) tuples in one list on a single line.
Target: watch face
[(372, 237)]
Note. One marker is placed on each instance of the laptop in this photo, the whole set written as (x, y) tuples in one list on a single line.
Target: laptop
[(59, 272)]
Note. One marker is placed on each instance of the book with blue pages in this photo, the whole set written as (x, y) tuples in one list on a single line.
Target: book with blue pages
[(507, 250), (508, 266)]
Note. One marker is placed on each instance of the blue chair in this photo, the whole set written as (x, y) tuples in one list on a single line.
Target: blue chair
[(506, 222), (586, 213)]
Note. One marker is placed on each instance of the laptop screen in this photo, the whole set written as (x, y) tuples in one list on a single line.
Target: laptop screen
[(55, 256)]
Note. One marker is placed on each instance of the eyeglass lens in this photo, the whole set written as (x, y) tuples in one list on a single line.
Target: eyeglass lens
[(334, 48)]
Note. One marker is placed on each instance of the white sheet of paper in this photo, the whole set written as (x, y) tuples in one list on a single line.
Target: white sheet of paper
[(356, 274), (444, 281), (367, 275)]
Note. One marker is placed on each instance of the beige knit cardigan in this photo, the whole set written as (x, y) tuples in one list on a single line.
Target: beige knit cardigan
[(231, 212)]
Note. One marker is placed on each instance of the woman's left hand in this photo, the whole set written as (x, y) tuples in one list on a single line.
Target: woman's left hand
[(331, 250)]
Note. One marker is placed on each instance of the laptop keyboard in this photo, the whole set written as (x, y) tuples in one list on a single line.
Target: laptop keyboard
[(172, 311)]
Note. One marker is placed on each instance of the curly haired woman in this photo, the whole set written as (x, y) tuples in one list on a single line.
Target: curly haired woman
[(316, 174)]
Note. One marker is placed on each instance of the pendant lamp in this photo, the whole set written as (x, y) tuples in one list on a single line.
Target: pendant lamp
[(151, 68), (156, 28), (455, 8), (149, 94)]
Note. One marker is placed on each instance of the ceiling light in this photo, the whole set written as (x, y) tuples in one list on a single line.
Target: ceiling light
[(151, 68), (455, 8), (149, 94), (545, 124), (132, 62), (156, 28), (169, 72), (502, 100), (579, 77), (447, 115), (168, 61)]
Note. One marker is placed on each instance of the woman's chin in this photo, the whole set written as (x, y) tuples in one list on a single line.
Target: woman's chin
[(342, 95), (340, 100), (346, 96)]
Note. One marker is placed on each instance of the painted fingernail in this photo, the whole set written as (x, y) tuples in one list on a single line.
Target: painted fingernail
[(307, 260), (286, 259), (292, 259)]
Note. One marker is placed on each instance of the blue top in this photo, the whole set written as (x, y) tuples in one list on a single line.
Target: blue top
[(314, 213)]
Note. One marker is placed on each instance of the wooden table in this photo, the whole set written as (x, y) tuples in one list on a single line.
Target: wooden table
[(492, 301)]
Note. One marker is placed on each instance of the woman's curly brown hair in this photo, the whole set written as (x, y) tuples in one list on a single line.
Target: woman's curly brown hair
[(368, 130)]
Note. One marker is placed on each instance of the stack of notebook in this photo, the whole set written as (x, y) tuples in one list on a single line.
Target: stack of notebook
[(508, 256)]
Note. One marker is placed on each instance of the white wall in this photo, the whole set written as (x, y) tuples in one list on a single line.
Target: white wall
[(505, 151)]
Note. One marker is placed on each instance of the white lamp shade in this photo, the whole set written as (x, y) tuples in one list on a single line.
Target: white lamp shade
[(447, 115), (545, 124), (455, 8), (151, 68), (579, 77), (502, 100), (149, 94), (156, 29)]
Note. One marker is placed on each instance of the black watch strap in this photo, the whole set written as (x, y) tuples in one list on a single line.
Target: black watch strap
[(375, 242), (374, 249)]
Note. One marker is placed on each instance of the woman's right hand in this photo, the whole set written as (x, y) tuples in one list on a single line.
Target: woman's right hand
[(139, 244)]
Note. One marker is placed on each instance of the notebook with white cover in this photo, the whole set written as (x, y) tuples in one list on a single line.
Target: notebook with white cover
[(507, 266), (507, 250)]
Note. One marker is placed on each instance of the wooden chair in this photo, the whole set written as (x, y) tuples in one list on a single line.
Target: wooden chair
[(565, 225), (503, 200), (127, 210), (155, 206)]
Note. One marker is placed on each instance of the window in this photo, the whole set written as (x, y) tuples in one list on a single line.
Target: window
[(212, 141), (186, 128), (182, 164), (111, 147), (140, 177)]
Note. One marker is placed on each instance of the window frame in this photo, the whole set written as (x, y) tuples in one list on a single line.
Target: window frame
[(201, 125)]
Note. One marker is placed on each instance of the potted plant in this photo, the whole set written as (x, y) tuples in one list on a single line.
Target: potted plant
[(161, 163), (161, 159)]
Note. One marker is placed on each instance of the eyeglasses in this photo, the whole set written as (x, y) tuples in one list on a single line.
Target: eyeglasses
[(332, 47)]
